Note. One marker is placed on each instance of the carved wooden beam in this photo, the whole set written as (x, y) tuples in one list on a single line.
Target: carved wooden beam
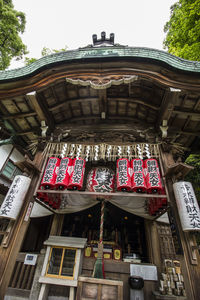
[(136, 125)]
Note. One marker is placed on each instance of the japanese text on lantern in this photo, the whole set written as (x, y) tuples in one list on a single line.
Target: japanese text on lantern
[(123, 178), (49, 170), (104, 180), (78, 169), (62, 170), (153, 175)]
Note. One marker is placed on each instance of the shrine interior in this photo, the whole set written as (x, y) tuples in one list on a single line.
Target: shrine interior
[(121, 229)]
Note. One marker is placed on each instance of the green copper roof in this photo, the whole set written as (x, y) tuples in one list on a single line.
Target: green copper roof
[(102, 53)]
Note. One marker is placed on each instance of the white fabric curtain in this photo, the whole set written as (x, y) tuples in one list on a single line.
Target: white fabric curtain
[(72, 203)]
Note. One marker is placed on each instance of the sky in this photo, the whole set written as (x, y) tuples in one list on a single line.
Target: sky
[(56, 24)]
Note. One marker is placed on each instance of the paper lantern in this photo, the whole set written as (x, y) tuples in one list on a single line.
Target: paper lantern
[(64, 172), (77, 175), (187, 205), (153, 179), (138, 177), (50, 173), (101, 180), (14, 199), (123, 175)]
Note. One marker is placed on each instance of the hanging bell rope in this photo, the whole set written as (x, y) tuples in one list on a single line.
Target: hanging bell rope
[(98, 271), (101, 222)]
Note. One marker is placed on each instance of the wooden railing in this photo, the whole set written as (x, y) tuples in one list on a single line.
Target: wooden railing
[(22, 277)]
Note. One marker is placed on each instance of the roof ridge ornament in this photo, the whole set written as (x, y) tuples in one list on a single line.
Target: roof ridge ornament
[(103, 40)]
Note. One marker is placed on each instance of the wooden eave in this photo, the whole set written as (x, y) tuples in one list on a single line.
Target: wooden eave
[(136, 96)]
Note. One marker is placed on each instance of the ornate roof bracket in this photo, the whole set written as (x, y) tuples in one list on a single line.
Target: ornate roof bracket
[(103, 82)]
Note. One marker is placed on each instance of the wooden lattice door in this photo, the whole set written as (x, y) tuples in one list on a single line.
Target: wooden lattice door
[(167, 248)]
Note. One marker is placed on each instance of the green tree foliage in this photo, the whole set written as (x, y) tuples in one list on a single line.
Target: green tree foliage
[(45, 51), (194, 175), (12, 24), (183, 30)]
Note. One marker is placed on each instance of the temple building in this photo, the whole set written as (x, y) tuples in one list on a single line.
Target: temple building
[(94, 200)]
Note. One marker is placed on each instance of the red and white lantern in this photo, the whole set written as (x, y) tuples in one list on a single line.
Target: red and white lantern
[(138, 177), (153, 179), (77, 175), (64, 172), (50, 173), (123, 175), (101, 180)]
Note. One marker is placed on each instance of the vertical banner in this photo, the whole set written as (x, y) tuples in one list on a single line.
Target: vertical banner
[(14, 199), (187, 205), (123, 175)]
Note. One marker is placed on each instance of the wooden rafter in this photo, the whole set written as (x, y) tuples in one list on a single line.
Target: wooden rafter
[(76, 100), (19, 115), (41, 109), (167, 106), (106, 99), (187, 113), (184, 132), (103, 107), (189, 117), (33, 130)]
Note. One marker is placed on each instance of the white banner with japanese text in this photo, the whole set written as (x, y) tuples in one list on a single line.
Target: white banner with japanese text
[(13, 201), (187, 205)]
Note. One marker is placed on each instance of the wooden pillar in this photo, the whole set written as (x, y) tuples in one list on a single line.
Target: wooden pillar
[(8, 255), (153, 244), (191, 266), (57, 224)]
